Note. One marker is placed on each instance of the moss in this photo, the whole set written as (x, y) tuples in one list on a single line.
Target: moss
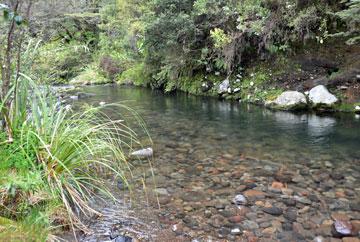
[(346, 107)]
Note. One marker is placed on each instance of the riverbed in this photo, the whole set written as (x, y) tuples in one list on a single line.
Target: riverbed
[(226, 171)]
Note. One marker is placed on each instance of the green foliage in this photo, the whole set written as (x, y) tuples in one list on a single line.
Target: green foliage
[(220, 38), (136, 75), (90, 76), (56, 158), (351, 16), (59, 62)]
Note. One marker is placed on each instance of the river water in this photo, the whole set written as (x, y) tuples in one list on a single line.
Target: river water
[(207, 151)]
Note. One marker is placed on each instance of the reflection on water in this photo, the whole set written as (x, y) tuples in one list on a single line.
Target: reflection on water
[(215, 126)]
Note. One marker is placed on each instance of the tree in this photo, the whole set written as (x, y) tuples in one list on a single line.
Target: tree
[(15, 15)]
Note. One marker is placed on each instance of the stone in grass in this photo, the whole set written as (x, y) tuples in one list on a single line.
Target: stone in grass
[(273, 211), (143, 153)]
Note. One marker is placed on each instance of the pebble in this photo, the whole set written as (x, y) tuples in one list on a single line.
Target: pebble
[(240, 200), (342, 227), (250, 225), (273, 211), (236, 231), (291, 215)]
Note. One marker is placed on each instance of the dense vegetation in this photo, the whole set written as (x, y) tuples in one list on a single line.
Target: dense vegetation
[(174, 44)]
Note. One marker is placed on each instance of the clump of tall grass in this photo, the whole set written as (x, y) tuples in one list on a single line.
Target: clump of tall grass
[(63, 156)]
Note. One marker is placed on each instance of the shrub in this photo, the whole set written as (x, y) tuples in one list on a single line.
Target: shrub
[(63, 155)]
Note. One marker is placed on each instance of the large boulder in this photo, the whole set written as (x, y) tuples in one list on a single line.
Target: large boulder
[(224, 86), (319, 95), (290, 100)]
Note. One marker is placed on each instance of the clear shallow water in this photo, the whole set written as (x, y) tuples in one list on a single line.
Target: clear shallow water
[(208, 151), (225, 127)]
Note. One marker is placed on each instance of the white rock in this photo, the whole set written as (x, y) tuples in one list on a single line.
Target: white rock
[(236, 90), (223, 87), (320, 95), (102, 103), (240, 200), (290, 98), (251, 83), (148, 152)]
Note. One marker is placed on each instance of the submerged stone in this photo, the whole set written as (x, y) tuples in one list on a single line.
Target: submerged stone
[(273, 211), (343, 228), (144, 153), (240, 200)]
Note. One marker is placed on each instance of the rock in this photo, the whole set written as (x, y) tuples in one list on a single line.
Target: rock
[(250, 225), (319, 239), (178, 229), (277, 185), (163, 200), (236, 231), (74, 98), (144, 153), (121, 185), (342, 228), (161, 191), (206, 86), (291, 215), (340, 217), (273, 211), (236, 219), (289, 202), (240, 200), (357, 109), (84, 95), (102, 103), (350, 239), (224, 86), (123, 238), (319, 95), (303, 200), (290, 100), (254, 194)]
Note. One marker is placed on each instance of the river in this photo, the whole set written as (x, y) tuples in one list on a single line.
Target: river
[(208, 151)]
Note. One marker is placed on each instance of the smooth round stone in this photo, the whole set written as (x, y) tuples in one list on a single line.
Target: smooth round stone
[(273, 211), (240, 200)]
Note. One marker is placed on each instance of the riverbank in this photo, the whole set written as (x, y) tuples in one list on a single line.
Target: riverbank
[(334, 66)]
